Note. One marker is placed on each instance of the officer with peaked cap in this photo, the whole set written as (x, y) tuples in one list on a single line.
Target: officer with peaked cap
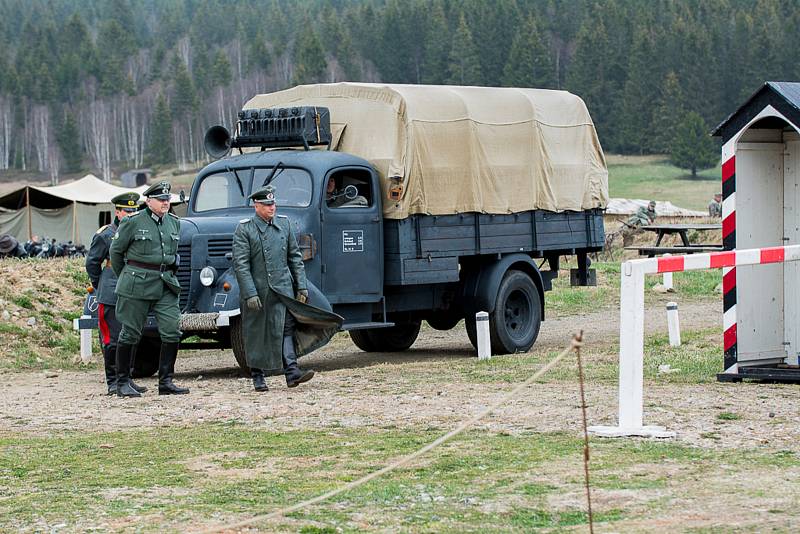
[(277, 323), (104, 283), (144, 254)]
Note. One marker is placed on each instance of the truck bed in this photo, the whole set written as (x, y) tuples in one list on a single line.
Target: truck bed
[(425, 249)]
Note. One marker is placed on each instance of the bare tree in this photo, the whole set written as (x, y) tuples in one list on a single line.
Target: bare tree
[(41, 136), (97, 129), (5, 133)]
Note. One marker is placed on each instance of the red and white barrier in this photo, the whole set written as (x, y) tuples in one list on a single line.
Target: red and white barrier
[(631, 324)]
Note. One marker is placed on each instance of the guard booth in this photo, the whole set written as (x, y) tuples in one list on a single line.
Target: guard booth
[(761, 208)]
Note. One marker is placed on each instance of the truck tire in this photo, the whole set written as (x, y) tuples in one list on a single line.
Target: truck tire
[(393, 339), (237, 343), (514, 324), (146, 361)]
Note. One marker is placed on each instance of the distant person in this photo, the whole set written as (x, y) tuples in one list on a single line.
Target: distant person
[(715, 206), (11, 248), (337, 198), (104, 282), (644, 216)]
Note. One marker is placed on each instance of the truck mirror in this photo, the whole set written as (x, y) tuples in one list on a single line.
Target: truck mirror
[(350, 192)]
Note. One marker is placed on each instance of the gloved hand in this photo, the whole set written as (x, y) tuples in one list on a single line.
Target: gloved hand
[(301, 296), (254, 304)]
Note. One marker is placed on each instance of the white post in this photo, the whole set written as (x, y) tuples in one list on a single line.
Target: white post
[(86, 342), (482, 327), (631, 359), (666, 279), (673, 324)]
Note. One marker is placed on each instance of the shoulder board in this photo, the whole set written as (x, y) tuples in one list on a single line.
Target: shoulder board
[(173, 215), (283, 216), (243, 221), (100, 230), (131, 216)]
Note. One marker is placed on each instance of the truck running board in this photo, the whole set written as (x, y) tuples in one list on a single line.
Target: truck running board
[(362, 326)]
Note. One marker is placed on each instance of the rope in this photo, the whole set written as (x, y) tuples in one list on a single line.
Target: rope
[(585, 439), (574, 345)]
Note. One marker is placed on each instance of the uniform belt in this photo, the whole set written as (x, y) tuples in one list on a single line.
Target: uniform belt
[(152, 266)]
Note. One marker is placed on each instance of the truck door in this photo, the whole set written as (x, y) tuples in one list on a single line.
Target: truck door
[(352, 236)]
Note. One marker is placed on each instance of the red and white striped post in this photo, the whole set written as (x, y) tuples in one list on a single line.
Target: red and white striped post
[(631, 324)]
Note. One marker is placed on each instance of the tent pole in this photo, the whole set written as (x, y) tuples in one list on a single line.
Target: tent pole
[(28, 202), (74, 220)]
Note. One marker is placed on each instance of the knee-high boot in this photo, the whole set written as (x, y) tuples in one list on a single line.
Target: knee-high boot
[(124, 388), (134, 385), (294, 375), (166, 370), (110, 366)]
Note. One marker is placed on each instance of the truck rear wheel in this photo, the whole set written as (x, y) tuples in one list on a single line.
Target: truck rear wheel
[(237, 342), (514, 324), (396, 338)]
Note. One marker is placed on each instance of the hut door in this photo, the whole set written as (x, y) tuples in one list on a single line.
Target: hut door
[(791, 225)]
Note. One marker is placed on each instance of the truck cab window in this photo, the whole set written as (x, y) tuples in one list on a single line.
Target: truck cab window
[(220, 190), (292, 185), (349, 189)]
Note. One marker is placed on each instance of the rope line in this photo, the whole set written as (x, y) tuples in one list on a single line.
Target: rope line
[(585, 439), (575, 345)]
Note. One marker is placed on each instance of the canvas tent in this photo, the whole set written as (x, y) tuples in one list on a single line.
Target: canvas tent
[(464, 149), (68, 212)]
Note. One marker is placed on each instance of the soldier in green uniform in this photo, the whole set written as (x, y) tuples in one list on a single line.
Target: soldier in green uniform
[(278, 324), (104, 284), (643, 217), (144, 257)]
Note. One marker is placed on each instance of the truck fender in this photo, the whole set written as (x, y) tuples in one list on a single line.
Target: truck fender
[(479, 291)]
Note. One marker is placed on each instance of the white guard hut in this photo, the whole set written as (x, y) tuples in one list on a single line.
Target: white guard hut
[(761, 208)]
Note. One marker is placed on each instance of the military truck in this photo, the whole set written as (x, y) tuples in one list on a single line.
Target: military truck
[(451, 200)]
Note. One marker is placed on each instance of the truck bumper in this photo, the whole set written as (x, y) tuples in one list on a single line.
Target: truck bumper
[(206, 322)]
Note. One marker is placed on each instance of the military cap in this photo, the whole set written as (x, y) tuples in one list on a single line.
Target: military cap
[(159, 191), (126, 201), (265, 195)]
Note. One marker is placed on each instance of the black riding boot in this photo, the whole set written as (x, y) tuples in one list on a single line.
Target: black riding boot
[(258, 379), (124, 388), (166, 370), (294, 375), (134, 385), (110, 365)]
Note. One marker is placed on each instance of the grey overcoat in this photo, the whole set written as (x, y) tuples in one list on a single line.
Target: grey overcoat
[(268, 264)]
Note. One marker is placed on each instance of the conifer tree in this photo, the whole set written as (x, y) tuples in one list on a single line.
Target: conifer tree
[(184, 102), (258, 56), (221, 70), (529, 61), (669, 109), (309, 58), (68, 138), (160, 147), (692, 148), (437, 47), (464, 67)]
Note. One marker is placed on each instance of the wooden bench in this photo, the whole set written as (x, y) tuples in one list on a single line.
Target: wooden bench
[(692, 249)]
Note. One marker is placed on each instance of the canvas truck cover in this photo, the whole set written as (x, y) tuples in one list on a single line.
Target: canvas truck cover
[(464, 149)]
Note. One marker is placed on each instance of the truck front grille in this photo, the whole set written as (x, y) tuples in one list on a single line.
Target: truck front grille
[(184, 274)]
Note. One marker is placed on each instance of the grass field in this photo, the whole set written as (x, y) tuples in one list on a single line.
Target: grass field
[(653, 177)]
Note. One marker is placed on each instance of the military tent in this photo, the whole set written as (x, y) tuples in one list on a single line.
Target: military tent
[(68, 212)]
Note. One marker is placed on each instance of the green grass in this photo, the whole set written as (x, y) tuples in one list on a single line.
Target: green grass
[(174, 478), (565, 300), (653, 177)]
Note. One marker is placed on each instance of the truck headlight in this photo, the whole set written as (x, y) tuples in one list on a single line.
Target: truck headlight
[(207, 276)]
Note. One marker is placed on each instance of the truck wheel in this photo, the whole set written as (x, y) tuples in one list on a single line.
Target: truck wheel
[(514, 324), (393, 339), (237, 343), (146, 361)]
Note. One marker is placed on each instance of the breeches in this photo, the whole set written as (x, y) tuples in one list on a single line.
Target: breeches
[(132, 314)]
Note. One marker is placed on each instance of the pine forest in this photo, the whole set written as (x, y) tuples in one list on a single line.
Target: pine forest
[(106, 85)]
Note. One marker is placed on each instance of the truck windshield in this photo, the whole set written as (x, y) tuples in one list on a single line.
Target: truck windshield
[(292, 185), (220, 190)]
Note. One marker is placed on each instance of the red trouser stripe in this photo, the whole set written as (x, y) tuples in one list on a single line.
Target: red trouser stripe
[(105, 335)]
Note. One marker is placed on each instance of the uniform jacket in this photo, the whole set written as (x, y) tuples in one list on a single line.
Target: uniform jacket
[(642, 217), (140, 237), (103, 279), (268, 264)]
